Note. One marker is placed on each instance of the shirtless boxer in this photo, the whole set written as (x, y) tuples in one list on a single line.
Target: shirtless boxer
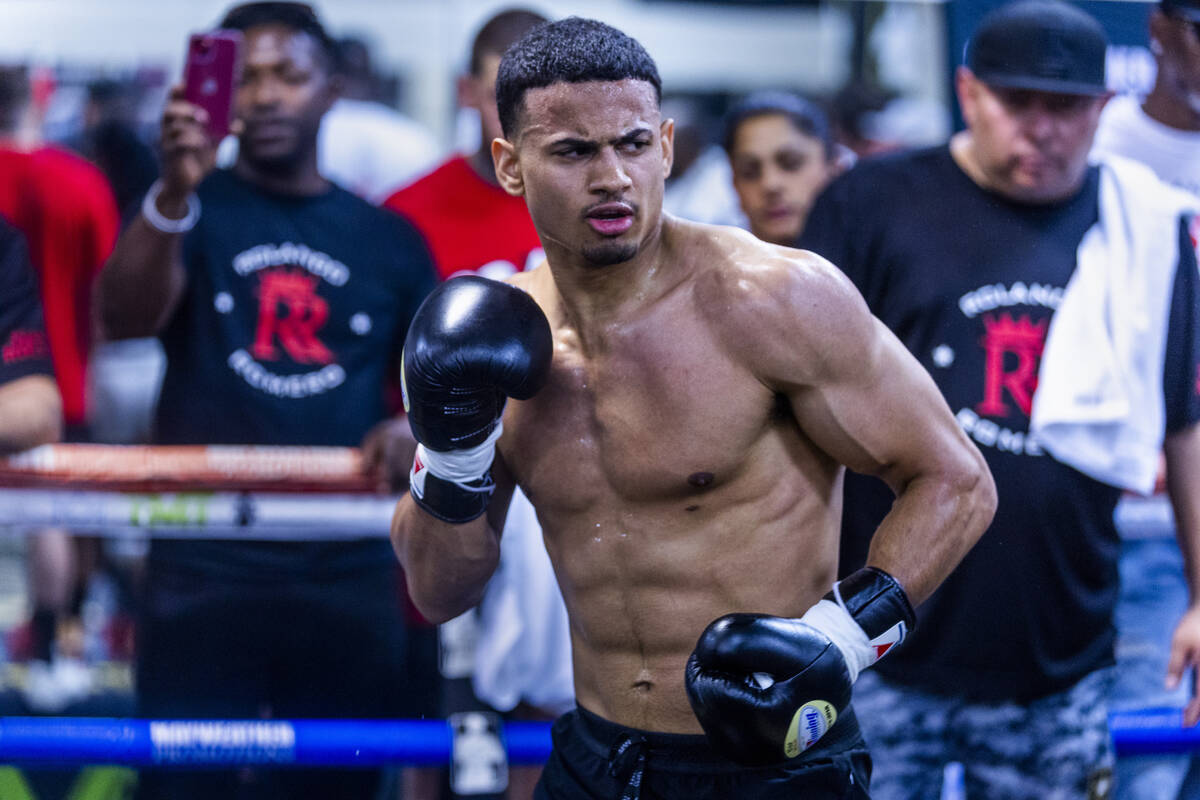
[(686, 405)]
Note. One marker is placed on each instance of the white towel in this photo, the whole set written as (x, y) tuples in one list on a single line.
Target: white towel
[(1099, 404), (524, 646)]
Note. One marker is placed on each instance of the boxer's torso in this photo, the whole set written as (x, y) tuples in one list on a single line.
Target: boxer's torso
[(673, 485)]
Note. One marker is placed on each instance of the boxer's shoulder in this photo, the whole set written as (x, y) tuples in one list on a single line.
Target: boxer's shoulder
[(538, 283), (779, 306)]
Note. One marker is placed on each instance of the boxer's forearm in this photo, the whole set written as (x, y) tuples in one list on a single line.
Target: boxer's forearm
[(141, 283), (934, 521), (1182, 451), (30, 413), (447, 566)]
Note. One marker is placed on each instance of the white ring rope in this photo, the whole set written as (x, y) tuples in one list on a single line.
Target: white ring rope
[(205, 491), (285, 493), (198, 515)]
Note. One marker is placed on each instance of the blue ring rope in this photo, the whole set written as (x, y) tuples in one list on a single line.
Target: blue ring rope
[(372, 743), (1152, 731), (324, 743)]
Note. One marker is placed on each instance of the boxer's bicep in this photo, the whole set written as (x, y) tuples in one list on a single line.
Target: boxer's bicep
[(855, 391), (874, 408), (879, 412)]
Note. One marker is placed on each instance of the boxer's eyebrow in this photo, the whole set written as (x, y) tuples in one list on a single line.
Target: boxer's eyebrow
[(632, 136), (573, 141), (582, 145), (571, 144)]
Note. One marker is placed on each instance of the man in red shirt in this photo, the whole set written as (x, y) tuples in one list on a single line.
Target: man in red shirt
[(469, 223), (29, 405), (66, 211)]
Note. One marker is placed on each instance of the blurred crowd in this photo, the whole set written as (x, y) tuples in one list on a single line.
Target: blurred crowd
[(118, 327)]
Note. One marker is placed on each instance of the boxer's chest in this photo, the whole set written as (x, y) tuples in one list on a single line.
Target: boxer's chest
[(657, 413)]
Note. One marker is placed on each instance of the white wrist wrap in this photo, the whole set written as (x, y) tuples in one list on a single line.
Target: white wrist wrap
[(461, 466), (835, 622)]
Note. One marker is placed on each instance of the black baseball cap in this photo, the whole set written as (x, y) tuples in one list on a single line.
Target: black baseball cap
[(1187, 9), (1043, 45)]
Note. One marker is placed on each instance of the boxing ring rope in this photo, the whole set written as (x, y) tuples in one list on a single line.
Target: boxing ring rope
[(301, 493), (41, 741), (195, 491)]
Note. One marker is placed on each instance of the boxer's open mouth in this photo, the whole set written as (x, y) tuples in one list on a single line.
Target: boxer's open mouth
[(610, 219)]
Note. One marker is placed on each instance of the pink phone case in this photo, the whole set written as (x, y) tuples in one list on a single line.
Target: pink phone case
[(211, 74)]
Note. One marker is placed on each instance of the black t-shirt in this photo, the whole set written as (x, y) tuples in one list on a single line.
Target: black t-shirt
[(968, 281), (293, 319), (24, 349)]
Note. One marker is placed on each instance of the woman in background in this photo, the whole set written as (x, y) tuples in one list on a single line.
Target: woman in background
[(782, 154)]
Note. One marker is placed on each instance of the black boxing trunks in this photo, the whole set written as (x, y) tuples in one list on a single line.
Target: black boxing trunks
[(601, 760)]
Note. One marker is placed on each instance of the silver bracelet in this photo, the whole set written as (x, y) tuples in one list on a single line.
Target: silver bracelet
[(166, 224)]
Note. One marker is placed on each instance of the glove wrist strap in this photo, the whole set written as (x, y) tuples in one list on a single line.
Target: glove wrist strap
[(834, 622), (877, 603), (451, 502), (455, 486), (462, 466)]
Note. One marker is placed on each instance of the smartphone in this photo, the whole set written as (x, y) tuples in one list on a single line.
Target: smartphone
[(211, 74)]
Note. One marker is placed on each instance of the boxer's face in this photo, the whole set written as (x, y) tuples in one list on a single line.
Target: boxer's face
[(1032, 146), (777, 172), (286, 88), (591, 160)]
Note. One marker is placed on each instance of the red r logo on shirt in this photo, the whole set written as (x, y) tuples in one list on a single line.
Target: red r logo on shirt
[(1022, 340), (23, 345), (290, 309)]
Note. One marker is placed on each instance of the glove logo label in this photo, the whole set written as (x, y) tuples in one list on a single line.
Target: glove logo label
[(416, 477), (810, 722), (888, 639)]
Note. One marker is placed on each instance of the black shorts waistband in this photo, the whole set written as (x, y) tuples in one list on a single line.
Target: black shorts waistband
[(681, 752)]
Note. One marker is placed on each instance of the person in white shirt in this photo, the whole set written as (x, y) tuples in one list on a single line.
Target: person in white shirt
[(1161, 131), (366, 146)]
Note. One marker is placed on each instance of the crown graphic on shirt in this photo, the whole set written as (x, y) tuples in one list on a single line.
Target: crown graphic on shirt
[(291, 282), (1021, 331)]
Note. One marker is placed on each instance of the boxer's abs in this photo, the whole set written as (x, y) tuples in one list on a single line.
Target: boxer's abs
[(641, 585)]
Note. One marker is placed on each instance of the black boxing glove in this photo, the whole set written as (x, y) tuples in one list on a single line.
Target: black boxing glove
[(765, 688), (473, 343)]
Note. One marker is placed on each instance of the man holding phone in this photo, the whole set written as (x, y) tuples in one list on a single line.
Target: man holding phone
[(282, 301)]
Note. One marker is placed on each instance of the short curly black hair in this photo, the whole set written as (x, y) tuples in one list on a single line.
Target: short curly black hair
[(300, 17), (571, 50)]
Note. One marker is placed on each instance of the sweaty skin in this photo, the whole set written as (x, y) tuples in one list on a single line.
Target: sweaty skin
[(685, 455)]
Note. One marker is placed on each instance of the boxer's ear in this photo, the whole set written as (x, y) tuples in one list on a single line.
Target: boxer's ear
[(666, 132), (508, 167)]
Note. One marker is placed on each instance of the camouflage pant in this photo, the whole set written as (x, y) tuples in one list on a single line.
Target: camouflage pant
[(1055, 748)]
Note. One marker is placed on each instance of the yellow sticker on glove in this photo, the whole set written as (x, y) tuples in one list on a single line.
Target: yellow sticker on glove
[(810, 722)]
